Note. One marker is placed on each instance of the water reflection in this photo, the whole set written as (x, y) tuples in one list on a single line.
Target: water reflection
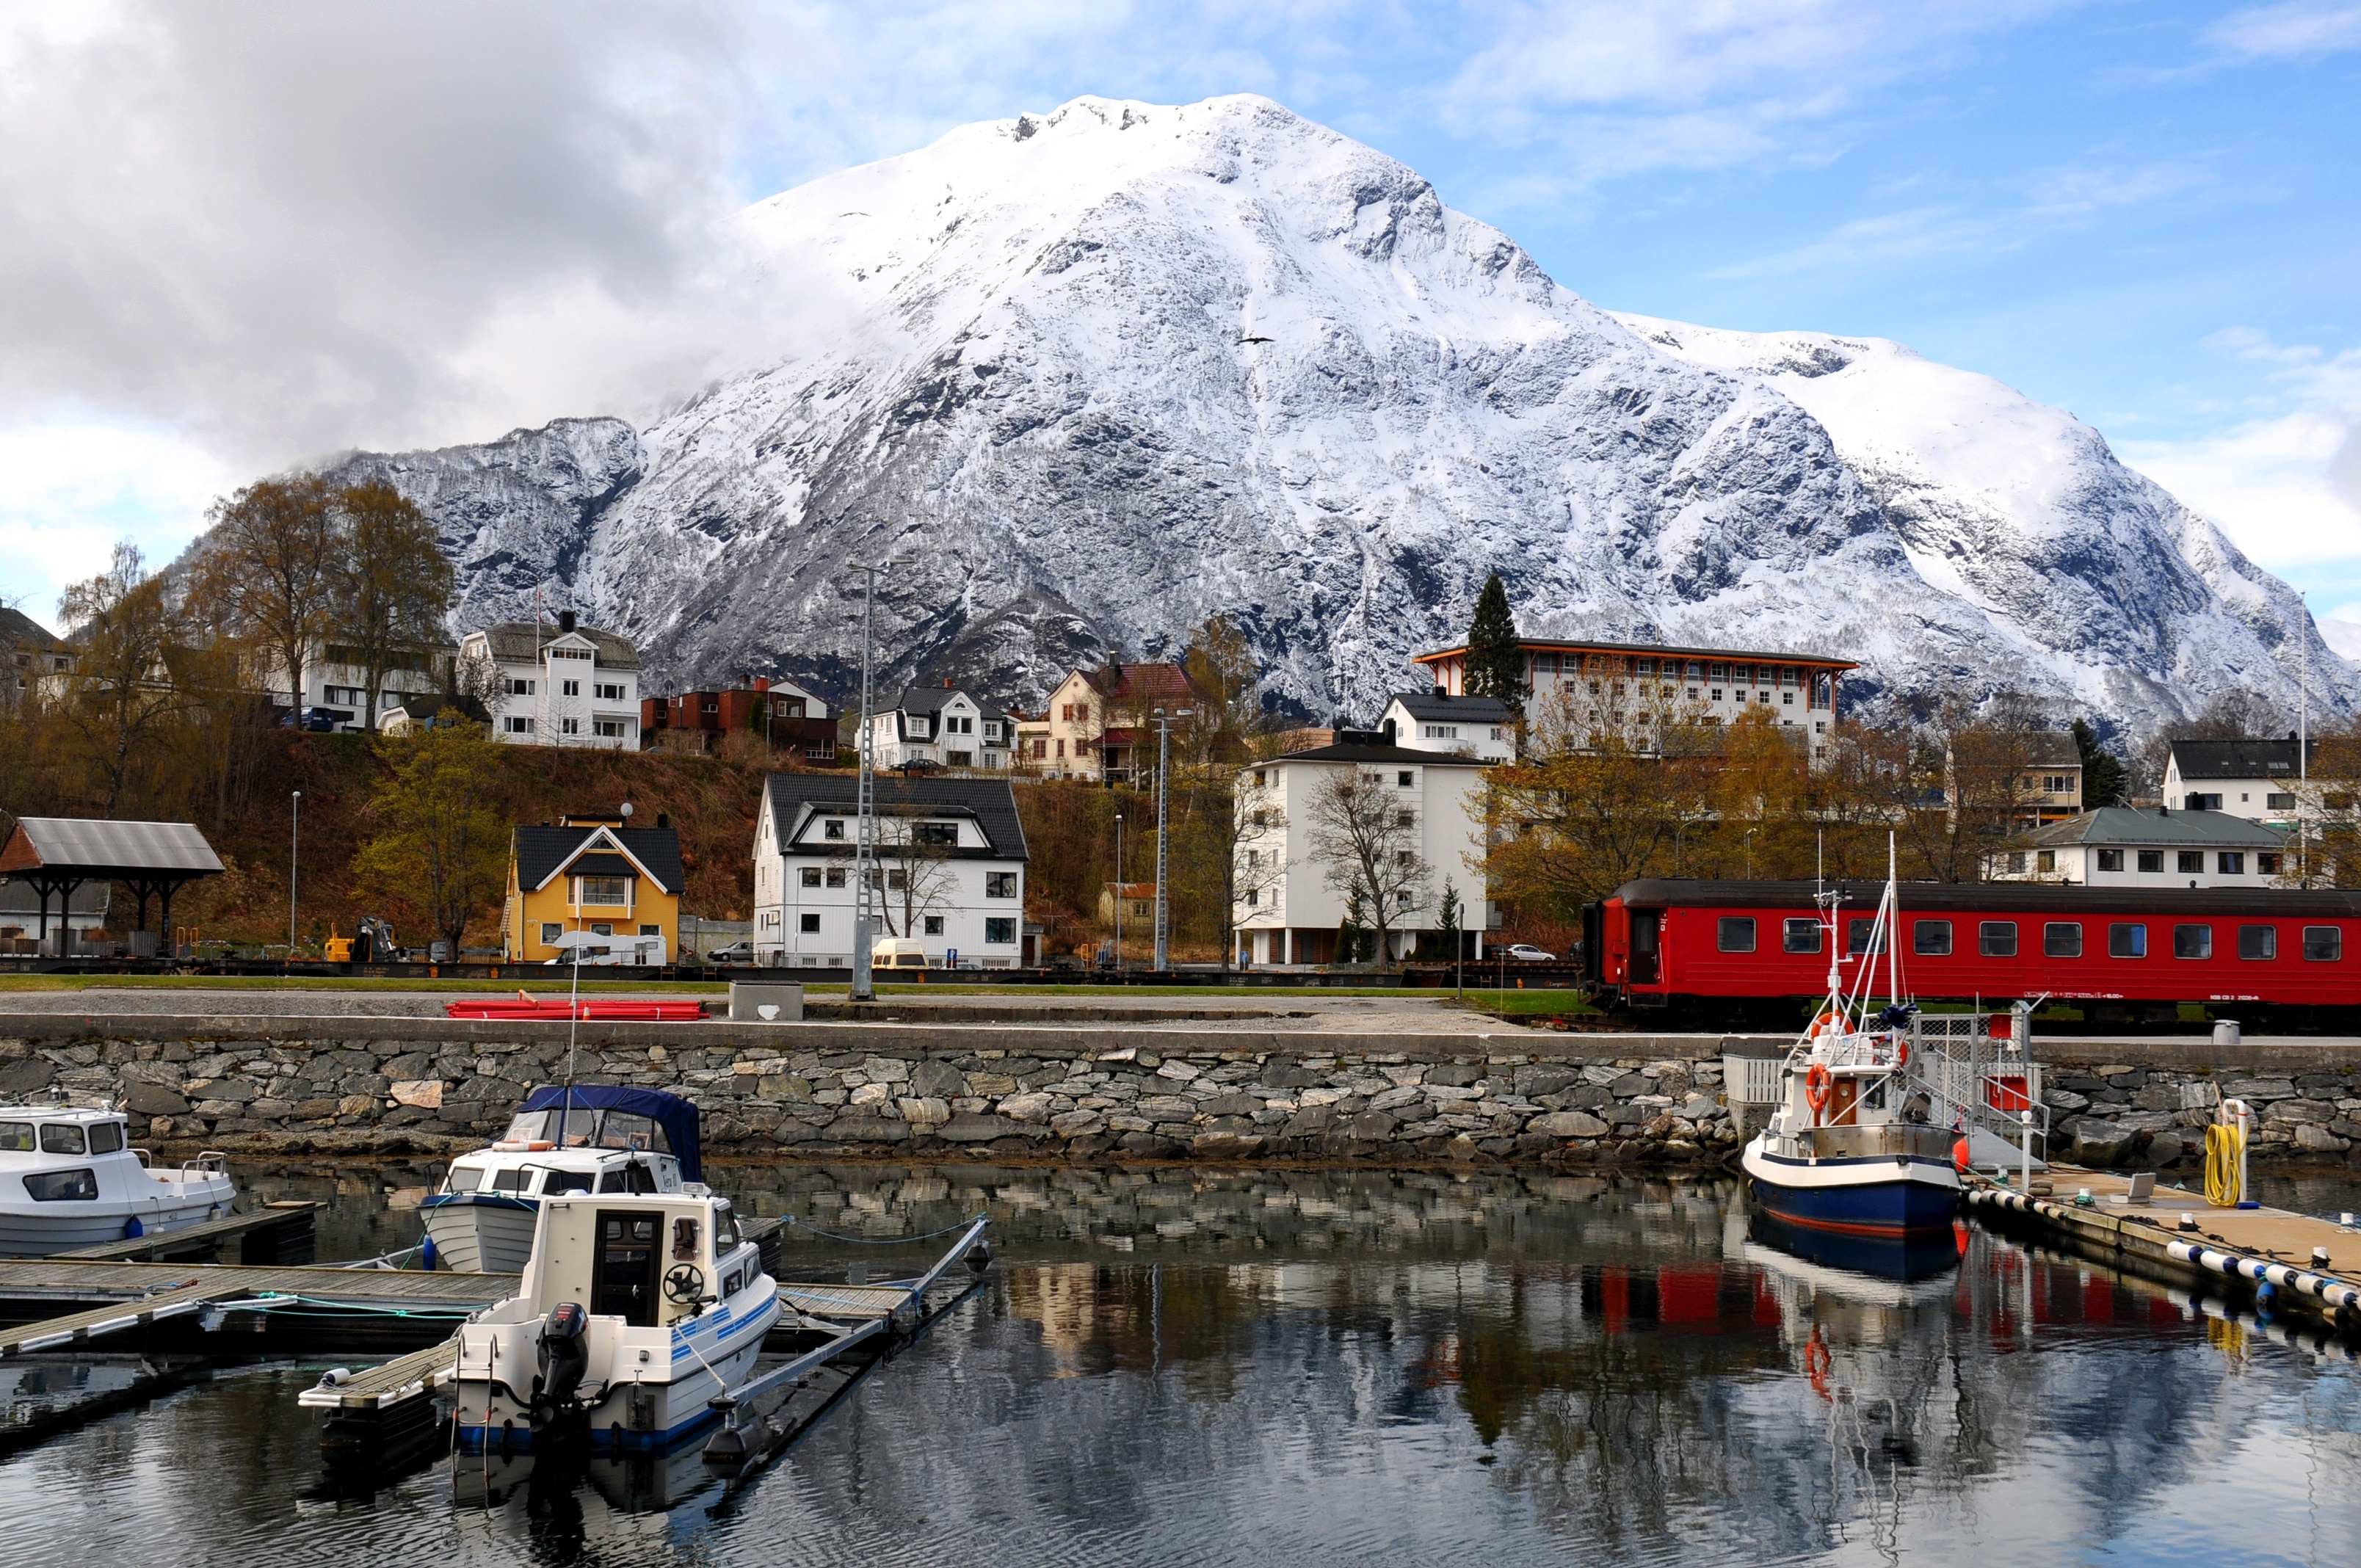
[(1251, 1368)]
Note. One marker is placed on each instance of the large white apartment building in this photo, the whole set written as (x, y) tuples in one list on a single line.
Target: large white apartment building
[(1288, 908), (560, 683), (948, 872)]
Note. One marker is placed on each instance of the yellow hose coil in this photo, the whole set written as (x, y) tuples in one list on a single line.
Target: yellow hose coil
[(2224, 1144)]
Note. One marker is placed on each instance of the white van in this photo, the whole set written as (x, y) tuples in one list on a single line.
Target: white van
[(898, 952), (645, 952)]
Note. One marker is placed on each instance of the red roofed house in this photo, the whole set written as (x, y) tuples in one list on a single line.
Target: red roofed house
[(1101, 723)]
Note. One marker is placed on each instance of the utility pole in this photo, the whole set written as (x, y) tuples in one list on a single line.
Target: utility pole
[(294, 842), (2303, 740), (1118, 893), (1163, 766), (865, 801)]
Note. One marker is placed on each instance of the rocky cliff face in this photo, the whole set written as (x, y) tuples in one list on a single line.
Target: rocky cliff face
[(1108, 371)]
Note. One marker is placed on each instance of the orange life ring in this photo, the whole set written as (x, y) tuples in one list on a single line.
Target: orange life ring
[(1817, 1085), (1816, 1362)]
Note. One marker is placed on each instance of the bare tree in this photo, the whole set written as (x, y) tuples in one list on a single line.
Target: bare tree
[(120, 695), (1254, 850), (910, 867), (1363, 835), (392, 587), (267, 563)]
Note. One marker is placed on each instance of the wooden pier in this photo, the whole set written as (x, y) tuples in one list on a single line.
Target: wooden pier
[(2291, 1264), (276, 1233), (131, 1295)]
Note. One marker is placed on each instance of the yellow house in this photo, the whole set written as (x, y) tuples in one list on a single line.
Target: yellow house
[(589, 875)]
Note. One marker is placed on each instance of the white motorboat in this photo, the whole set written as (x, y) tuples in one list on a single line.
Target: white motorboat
[(596, 1138), (71, 1178), (636, 1312), (1854, 1149)]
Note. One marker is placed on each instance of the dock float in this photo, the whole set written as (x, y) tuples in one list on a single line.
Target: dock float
[(276, 1233), (131, 1295), (2290, 1262)]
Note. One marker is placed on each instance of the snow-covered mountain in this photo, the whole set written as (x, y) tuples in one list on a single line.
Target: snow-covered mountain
[(1109, 370)]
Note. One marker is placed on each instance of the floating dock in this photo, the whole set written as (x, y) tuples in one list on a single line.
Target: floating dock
[(2290, 1264)]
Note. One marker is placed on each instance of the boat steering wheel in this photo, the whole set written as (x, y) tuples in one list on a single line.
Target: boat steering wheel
[(683, 1285)]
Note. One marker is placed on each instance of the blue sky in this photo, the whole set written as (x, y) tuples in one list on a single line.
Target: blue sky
[(2143, 213)]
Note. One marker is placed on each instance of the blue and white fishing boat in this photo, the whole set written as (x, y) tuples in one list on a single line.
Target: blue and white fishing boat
[(595, 1138), (1854, 1149)]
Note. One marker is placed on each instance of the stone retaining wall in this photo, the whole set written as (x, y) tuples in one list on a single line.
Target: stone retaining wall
[(403, 1085)]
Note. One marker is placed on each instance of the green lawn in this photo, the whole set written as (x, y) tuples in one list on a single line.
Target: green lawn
[(1548, 1000)]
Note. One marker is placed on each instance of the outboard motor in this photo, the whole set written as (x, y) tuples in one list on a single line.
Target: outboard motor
[(564, 1355)]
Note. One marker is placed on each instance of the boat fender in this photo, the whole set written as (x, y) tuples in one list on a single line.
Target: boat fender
[(428, 1255), (335, 1377), (1960, 1155), (978, 1256), (133, 1230), (1817, 1084)]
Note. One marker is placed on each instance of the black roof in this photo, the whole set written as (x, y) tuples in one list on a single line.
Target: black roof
[(1442, 705), (1356, 753), (2029, 898), (542, 852), (2237, 758), (991, 802), (15, 626)]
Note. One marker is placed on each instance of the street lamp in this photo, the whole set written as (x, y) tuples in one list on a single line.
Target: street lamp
[(865, 800), (294, 841), (1750, 854), (1163, 759)]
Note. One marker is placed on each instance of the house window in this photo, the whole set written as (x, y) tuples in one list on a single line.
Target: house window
[(2323, 944), (1788, 699), (836, 876), (611, 728), (1069, 714), (942, 835), (2231, 862), (2190, 860), (2192, 941), (1405, 819), (833, 829), (1996, 939), (1800, 935), (2205, 802), (2053, 783), (809, 924), (896, 880), (1403, 780), (610, 692), (2258, 942), (934, 925), (1931, 939), (2111, 859), (1000, 929), (513, 725), (2045, 859), (519, 688), (1000, 884), (2151, 860), (1735, 934), (2061, 940), (1061, 751), (571, 688), (2126, 939), (2275, 802), (570, 726), (810, 877), (1041, 748), (2266, 863), (550, 931), (1253, 898), (602, 890)]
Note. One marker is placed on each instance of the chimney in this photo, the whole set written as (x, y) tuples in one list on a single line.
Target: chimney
[(664, 819), (947, 683), (565, 622), (762, 683)]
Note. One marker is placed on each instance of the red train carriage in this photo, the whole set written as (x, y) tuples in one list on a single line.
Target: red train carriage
[(1758, 949)]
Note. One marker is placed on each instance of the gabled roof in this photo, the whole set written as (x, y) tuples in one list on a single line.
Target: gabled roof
[(544, 852), (1143, 683), (2129, 826), (1354, 753), (2051, 748), (15, 626), (521, 641), (1443, 707), (927, 699), (107, 849), (1592, 645), (2237, 758), (991, 804)]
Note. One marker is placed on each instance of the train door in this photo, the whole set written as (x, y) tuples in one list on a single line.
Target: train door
[(1647, 937)]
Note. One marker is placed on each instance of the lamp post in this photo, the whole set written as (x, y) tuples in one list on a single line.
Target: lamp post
[(1163, 760), (1118, 893), (864, 802), (294, 842)]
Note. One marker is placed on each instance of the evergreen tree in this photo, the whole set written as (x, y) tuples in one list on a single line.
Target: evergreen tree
[(1496, 666), (1350, 936), (1447, 924), (2102, 776)]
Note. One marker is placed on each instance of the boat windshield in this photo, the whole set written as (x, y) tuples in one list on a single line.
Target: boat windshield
[(105, 1137), (463, 1178), (61, 1138), (584, 1127), (15, 1137)]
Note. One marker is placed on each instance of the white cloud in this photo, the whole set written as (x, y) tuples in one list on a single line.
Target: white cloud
[(2278, 32), (69, 490)]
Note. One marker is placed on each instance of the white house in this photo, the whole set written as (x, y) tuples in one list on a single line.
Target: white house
[(1288, 908), (2124, 846), (942, 726), (1477, 726), (560, 684), (2253, 779), (950, 870)]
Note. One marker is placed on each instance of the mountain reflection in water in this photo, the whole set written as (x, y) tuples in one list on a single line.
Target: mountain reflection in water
[(1295, 1367)]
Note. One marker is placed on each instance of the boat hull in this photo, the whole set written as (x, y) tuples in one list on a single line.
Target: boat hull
[(43, 1230), (481, 1233), (1884, 1197)]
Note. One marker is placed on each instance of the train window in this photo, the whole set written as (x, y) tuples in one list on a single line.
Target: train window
[(2111, 859), (2258, 941), (2126, 939), (1801, 935), (1931, 939), (2192, 941), (1857, 935), (1996, 939), (1735, 934), (2323, 944), (2151, 860), (2061, 940)]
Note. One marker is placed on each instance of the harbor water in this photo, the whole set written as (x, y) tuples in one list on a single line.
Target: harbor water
[(1295, 1367)]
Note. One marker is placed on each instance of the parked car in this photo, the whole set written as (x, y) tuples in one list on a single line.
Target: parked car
[(897, 952), (1525, 952), (735, 953)]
